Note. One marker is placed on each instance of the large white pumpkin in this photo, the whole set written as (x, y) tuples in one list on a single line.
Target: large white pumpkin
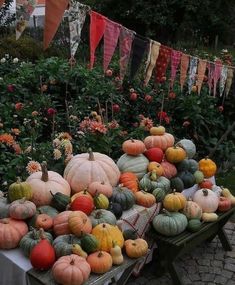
[(86, 168), (207, 200)]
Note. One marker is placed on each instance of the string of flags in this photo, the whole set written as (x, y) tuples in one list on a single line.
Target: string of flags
[(133, 48)]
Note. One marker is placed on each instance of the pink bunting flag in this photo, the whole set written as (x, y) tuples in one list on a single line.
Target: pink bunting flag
[(175, 60), (1, 3), (200, 74), (97, 28), (183, 69), (217, 74), (111, 35)]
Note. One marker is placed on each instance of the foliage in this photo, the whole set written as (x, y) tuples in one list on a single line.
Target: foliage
[(6, 19)]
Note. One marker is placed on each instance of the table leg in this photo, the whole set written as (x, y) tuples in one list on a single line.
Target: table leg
[(224, 240), (125, 276), (174, 274)]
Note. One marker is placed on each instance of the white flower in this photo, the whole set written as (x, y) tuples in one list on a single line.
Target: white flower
[(1, 79), (4, 183), (3, 60), (15, 60), (224, 51), (7, 56)]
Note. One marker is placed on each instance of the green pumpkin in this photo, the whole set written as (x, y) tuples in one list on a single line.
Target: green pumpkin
[(102, 216), (162, 182), (63, 244), (188, 146), (137, 164), (124, 197), (199, 176), (89, 243), (177, 184), (187, 178), (32, 238), (193, 165), (19, 190), (50, 211), (130, 234), (4, 206), (159, 194), (101, 201), (60, 201), (170, 223), (194, 225), (145, 183), (116, 209), (183, 165)]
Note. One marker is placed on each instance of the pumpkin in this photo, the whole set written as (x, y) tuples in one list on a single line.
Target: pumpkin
[(133, 147), (169, 169), (82, 203), (60, 223), (188, 146), (22, 209), (116, 254), (170, 223), (136, 248), (101, 201), (224, 204), (157, 131), (199, 176), (207, 166), (159, 194), (100, 262), (76, 249), (81, 193), (192, 165), (163, 142), (63, 244), (116, 209), (98, 187), (11, 232), (209, 217), (60, 201), (183, 165), (206, 183), (44, 221), (31, 239), (163, 183), (145, 183), (187, 178), (192, 210), (44, 182), (145, 199), (135, 164), (194, 225), (154, 154), (50, 211), (175, 154), (130, 234), (89, 243), (102, 216), (72, 270), (207, 200), (4, 207), (177, 184), (156, 167), (107, 235), (226, 193), (130, 181), (174, 202), (79, 223), (85, 168), (19, 190), (124, 197)]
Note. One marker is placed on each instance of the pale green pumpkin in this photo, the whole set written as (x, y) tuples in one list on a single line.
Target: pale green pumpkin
[(163, 183), (102, 216), (63, 244), (19, 190)]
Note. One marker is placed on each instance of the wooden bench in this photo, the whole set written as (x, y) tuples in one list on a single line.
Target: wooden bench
[(170, 248)]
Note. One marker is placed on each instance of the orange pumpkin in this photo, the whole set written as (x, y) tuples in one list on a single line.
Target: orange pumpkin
[(169, 169), (44, 221), (207, 167), (136, 248), (133, 147), (82, 193), (98, 187), (79, 223), (175, 154), (157, 131), (163, 141), (60, 223), (100, 262), (145, 199), (129, 180), (174, 202), (206, 184), (153, 165)]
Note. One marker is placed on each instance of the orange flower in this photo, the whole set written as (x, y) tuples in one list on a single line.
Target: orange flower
[(7, 139), (17, 148), (98, 127), (15, 131), (33, 166)]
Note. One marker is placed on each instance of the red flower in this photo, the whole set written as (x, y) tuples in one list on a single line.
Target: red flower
[(19, 106), (10, 88), (162, 115), (51, 112)]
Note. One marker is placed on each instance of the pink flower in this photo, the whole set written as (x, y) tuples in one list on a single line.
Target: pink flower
[(51, 112), (10, 88), (186, 124), (146, 123), (98, 127), (19, 106)]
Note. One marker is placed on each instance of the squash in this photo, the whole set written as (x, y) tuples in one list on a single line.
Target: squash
[(63, 244), (199, 176), (48, 210), (130, 181), (163, 142), (163, 183), (177, 184), (60, 223), (116, 254), (192, 165), (44, 221), (154, 154), (102, 216), (82, 203), (73, 268), (145, 183), (85, 168), (130, 234), (79, 223), (188, 146), (101, 201), (124, 197), (89, 243), (192, 210), (183, 165), (175, 154), (207, 166), (159, 194), (145, 199), (174, 202), (224, 204), (133, 147), (187, 178), (206, 183), (135, 164), (44, 182), (136, 248), (157, 131), (22, 209), (157, 167), (100, 262), (194, 225), (226, 193), (60, 201), (19, 190), (116, 209), (76, 249), (83, 193), (98, 187), (207, 200), (209, 217), (169, 169)]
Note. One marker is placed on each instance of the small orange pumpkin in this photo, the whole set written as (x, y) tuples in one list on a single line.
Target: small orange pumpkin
[(153, 165), (174, 202), (175, 154), (145, 199), (207, 167), (44, 221), (157, 131), (206, 184), (136, 248), (100, 262), (129, 180), (133, 147)]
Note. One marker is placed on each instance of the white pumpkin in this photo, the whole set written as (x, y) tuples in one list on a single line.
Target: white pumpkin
[(188, 146), (207, 200)]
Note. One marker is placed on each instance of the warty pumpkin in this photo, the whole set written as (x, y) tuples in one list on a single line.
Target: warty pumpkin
[(19, 190), (207, 166)]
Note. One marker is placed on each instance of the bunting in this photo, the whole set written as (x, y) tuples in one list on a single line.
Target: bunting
[(1, 3), (229, 81), (217, 74), (162, 63), (111, 35), (183, 69), (211, 70), (175, 61), (125, 43), (223, 78), (200, 74), (192, 72), (97, 28)]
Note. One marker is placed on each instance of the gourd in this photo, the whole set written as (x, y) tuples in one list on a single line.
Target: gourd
[(79, 223), (157, 167), (145, 199), (98, 187), (154, 154), (188, 146), (145, 183), (164, 141), (11, 232), (101, 201), (63, 244), (136, 164), (174, 202), (133, 147), (192, 165), (89, 243), (224, 204), (194, 225), (44, 182), (175, 154), (61, 225), (169, 169), (159, 194), (76, 249), (209, 217), (31, 239), (162, 182), (130, 234), (207, 200), (130, 181), (22, 209), (102, 216), (199, 176), (124, 197), (83, 193), (187, 178), (136, 248), (207, 166), (44, 221), (177, 184), (226, 193), (192, 210), (4, 207), (157, 131), (72, 268), (116, 254), (50, 211), (116, 209), (85, 168), (19, 190), (60, 201), (100, 262), (82, 203)]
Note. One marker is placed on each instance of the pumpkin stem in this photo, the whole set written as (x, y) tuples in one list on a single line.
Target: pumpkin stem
[(100, 254), (72, 262), (18, 179), (174, 191), (103, 225), (134, 244), (41, 233), (132, 140), (52, 194), (166, 212), (44, 171), (91, 155), (4, 221), (22, 201), (205, 192)]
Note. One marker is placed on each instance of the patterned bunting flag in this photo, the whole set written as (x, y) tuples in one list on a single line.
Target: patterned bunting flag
[(223, 78), (125, 42), (24, 10), (97, 27), (200, 74), (192, 72), (175, 60), (162, 63), (139, 47), (183, 69), (217, 74), (76, 15), (1, 3), (211, 70), (229, 81), (151, 61), (111, 35)]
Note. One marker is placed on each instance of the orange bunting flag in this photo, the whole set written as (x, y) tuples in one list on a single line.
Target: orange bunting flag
[(53, 16), (183, 69), (1, 3), (201, 73)]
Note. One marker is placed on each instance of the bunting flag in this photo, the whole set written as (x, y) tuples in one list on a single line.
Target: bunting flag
[(24, 10), (97, 28), (139, 47), (217, 74), (162, 63), (211, 70), (229, 81), (192, 72), (76, 16), (1, 3), (154, 48), (125, 42), (175, 61), (53, 15), (200, 74), (223, 78), (111, 35), (183, 69)]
